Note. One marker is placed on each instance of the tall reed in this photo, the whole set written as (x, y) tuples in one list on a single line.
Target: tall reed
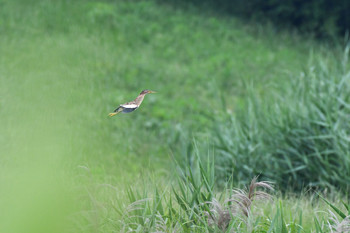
[(298, 135)]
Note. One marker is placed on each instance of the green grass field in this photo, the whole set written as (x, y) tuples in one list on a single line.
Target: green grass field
[(66, 166)]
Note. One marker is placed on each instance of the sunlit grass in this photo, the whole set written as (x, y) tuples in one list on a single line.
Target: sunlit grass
[(195, 204), (65, 65), (297, 133)]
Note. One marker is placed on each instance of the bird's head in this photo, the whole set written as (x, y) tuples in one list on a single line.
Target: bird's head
[(147, 92)]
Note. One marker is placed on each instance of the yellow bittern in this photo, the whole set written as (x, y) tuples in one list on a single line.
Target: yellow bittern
[(131, 106)]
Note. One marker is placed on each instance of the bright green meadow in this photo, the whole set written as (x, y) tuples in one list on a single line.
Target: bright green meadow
[(235, 100)]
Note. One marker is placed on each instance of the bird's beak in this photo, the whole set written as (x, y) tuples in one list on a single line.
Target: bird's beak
[(152, 92)]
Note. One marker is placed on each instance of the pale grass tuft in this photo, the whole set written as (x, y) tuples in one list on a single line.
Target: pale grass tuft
[(162, 225), (137, 205), (337, 226), (243, 198), (218, 215), (240, 201), (132, 213)]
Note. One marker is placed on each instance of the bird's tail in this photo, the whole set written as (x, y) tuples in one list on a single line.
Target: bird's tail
[(118, 110)]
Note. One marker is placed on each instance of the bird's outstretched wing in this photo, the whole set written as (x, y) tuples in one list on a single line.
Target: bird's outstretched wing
[(124, 108), (127, 110), (129, 107)]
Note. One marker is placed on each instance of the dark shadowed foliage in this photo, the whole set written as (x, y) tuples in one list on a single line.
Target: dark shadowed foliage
[(319, 17)]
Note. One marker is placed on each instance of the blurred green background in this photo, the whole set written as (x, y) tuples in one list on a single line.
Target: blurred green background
[(64, 65)]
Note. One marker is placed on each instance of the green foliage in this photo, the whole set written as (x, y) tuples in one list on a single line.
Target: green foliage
[(65, 65), (324, 17), (319, 17), (182, 208), (342, 214), (81, 59), (187, 208), (296, 138)]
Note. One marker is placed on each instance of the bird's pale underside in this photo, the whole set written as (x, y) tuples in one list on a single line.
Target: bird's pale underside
[(131, 106)]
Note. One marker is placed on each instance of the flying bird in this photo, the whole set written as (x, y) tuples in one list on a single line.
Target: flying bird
[(131, 106)]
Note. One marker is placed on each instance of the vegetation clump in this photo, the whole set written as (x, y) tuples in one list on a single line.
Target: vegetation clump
[(298, 136), (233, 210)]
